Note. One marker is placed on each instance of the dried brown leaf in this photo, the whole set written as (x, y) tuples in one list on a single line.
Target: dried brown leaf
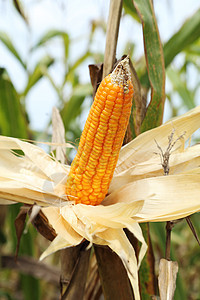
[(74, 271), (20, 225), (96, 72), (114, 279), (43, 227), (93, 288), (192, 229)]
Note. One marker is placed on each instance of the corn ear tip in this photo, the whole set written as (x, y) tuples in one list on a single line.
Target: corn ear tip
[(121, 75)]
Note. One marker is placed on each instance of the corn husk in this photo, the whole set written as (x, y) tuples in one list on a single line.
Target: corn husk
[(32, 177), (138, 193), (143, 147)]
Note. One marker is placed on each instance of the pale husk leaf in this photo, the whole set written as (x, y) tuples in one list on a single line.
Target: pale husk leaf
[(31, 177), (166, 197), (58, 135), (113, 216), (61, 225), (179, 162), (57, 244), (137, 232), (143, 147), (102, 225)]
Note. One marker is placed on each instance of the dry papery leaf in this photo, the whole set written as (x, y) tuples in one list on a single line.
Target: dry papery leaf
[(58, 135), (167, 279), (32, 177), (143, 147), (165, 198)]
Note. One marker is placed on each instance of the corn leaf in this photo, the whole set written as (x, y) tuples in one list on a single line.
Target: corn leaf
[(180, 86), (155, 63), (72, 107), (130, 9), (13, 120), (20, 10), (5, 39), (48, 36), (38, 72), (188, 34), (70, 74), (193, 49)]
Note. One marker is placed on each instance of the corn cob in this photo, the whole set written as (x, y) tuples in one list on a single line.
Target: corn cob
[(94, 164)]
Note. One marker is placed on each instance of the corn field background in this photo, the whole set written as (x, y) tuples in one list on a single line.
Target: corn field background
[(52, 69)]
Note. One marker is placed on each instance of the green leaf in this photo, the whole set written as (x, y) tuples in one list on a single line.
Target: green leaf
[(180, 86), (72, 108), (30, 285), (188, 34), (182, 40), (5, 39), (13, 120), (72, 68), (130, 9), (52, 34), (6, 296), (192, 53), (20, 10), (155, 63), (39, 71)]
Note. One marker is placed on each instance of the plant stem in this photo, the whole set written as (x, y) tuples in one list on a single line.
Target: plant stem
[(169, 226), (112, 35)]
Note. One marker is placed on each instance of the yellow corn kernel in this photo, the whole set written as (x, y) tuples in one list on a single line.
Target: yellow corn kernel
[(93, 167)]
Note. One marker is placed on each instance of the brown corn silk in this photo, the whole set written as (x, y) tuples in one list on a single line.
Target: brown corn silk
[(94, 164)]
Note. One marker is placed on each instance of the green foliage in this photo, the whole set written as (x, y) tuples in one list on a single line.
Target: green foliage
[(48, 36), (130, 9), (155, 64), (29, 285), (180, 86), (73, 107), (38, 72), (186, 36), (152, 76), (13, 118), (5, 39)]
